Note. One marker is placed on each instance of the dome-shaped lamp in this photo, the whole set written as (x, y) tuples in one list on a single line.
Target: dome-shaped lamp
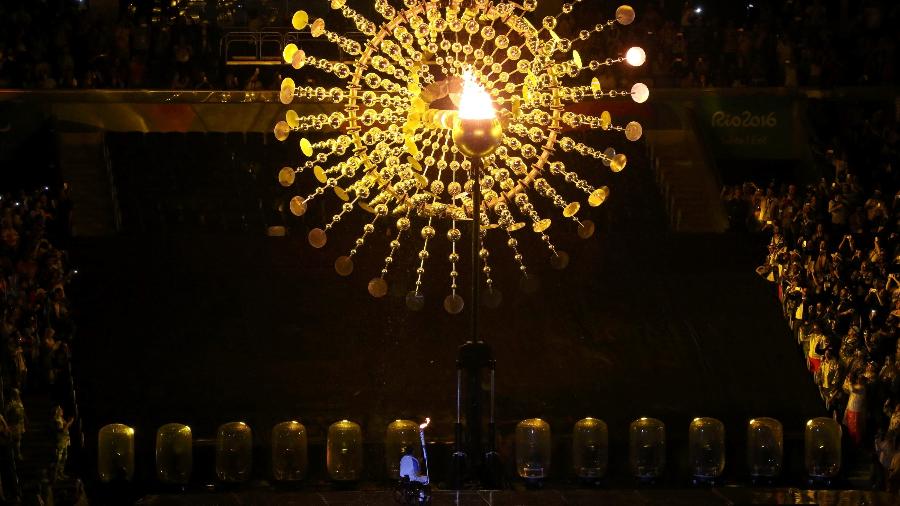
[(590, 448), (234, 452), (174, 454), (533, 449), (401, 436), (647, 445), (822, 439), (115, 453), (289, 451), (343, 455), (765, 449), (706, 449)]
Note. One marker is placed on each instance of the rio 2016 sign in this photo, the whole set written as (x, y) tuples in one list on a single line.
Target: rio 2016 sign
[(749, 127), (746, 119)]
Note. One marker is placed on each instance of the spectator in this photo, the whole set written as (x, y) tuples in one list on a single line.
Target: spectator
[(61, 425), (766, 43), (835, 259), (15, 416), (855, 414)]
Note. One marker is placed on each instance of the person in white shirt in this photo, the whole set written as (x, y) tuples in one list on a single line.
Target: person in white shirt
[(409, 468)]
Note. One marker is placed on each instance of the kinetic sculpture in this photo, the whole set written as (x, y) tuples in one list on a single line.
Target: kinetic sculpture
[(453, 110)]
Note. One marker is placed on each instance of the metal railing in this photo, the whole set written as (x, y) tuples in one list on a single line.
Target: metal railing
[(265, 47)]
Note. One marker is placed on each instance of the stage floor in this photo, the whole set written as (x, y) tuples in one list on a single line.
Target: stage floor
[(711, 497)]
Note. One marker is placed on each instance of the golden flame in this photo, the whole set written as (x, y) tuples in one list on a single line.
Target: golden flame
[(475, 102)]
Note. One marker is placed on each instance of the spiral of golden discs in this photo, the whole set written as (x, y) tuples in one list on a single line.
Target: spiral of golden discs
[(391, 152)]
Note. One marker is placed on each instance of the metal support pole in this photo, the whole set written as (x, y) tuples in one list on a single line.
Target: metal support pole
[(476, 242)]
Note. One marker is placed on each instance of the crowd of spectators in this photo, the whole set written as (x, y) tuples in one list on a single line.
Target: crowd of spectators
[(50, 44), (815, 43), (62, 44), (36, 327), (834, 256)]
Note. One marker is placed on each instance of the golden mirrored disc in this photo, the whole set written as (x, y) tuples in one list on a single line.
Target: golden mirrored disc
[(287, 82), (529, 284), (491, 297), (448, 118), (292, 118), (421, 181), (286, 95), (608, 154), (298, 60), (515, 226), (378, 287), (432, 92), (586, 229), (366, 207), (286, 176), (571, 209), (576, 58), (453, 304), (411, 146), (625, 15), (419, 104), (415, 301), (306, 147), (298, 206), (317, 28), (605, 120), (337, 4), (595, 85), (343, 265), (341, 193), (299, 20), (319, 172), (288, 52), (516, 105), (542, 225), (282, 129), (414, 163), (598, 196), (553, 34), (413, 87), (437, 116), (618, 162), (317, 238), (633, 131), (560, 260)]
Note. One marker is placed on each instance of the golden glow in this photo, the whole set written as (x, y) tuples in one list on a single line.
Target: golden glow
[(299, 20), (635, 57), (475, 103), (429, 88)]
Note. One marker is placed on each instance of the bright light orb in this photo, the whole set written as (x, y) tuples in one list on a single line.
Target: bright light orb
[(475, 102), (635, 57), (640, 93)]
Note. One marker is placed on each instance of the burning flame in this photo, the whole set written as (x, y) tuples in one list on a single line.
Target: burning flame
[(423, 425), (475, 102)]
